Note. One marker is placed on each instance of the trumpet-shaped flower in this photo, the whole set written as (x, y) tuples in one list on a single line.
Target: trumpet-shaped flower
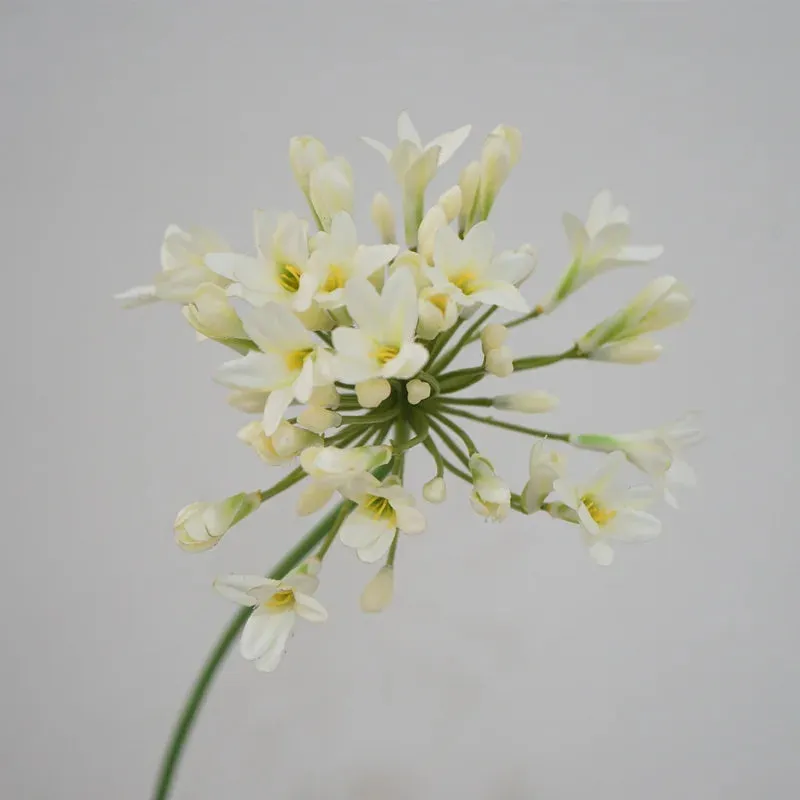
[(609, 512), (599, 245), (183, 268), (382, 346), (491, 497), (338, 257), (501, 152), (211, 314), (382, 510), (276, 604), (468, 268), (331, 190), (287, 441), (200, 526), (288, 364), (438, 311), (377, 594), (545, 467), (279, 273)]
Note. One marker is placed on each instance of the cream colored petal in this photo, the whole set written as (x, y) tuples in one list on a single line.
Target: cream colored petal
[(309, 609)]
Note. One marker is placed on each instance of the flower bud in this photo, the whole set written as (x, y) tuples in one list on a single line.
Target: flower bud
[(331, 190), (371, 393), (493, 336), (499, 362), (435, 490), (637, 350), (289, 440), (535, 402), (199, 526), (491, 497), (251, 401), (305, 154), (377, 594), (315, 318), (211, 314), (415, 180), (450, 203), (545, 467), (383, 218), (468, 182), (319, 419), (418, 391), (325, 396), (433, 221), (501, 152)]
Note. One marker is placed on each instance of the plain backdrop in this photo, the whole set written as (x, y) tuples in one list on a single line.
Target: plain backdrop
[(510, 666)]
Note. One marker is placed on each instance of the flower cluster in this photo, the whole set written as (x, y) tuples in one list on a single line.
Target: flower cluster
[(343, 357)]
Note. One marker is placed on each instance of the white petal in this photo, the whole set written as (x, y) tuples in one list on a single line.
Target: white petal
[(599, 212), (225, 264), (511, 267), (602, 553), (260, 631), (271, 657), (277, 402), (639, 254), (363, 304), (309, 609), (502, 294), (407, 363), (399, 307), (576, 233), (449, 253), (369, 259), (630, 525), (480, 243), (379, 146), (361, 529), (314, 497), (406, 130), (587, 521), (409, 519), (378, 549), (275, 327), (256, 371), (304, 384), (236, 587), (137, 296), (450, 142)]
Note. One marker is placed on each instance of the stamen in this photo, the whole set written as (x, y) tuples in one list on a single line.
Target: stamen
[(289, 278), (336, 279), (602, 516), (282, 600), (295, 359), (386, 352)]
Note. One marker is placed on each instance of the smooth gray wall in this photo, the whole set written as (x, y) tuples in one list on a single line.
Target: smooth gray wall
[(510, 666)]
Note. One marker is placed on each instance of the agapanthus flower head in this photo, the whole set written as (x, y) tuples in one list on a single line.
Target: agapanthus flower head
[(343, 350)]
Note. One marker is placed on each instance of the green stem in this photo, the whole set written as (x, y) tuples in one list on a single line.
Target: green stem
[(372, 418), (456, 471), (484, 402), (509, 426), (329, 539), (457, 429), (469, 335), (393, 550), (439, 344), (197, 695), (398, 446), (295, 476), (460, 379), (537, 312), (453, 447), (419, 422), (534, 362)]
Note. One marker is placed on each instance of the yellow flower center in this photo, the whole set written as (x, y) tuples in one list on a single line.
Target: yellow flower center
[(336, 279), (379, 508), (386, 352), (439, 301), (295, 359), (466, 280), (282, 600), (289, 278), (602, 516)]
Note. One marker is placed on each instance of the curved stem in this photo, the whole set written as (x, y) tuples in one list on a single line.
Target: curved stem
[(456, 428), (445, 437), (197, 695), (456, 471), (469, 335), (509, 426), (534, 362), (439, 344), (295, 476)]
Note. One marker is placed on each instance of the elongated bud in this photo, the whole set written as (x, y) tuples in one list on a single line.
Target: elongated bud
[(418, 391), (331, 190), (435, 490), (318, 419), (637, 350), (305, 154), (434, 220), (499, 362), (491, 497), (315, 318), (199, 526), (501, 152), (371, 393), (450, 203), (211, 314), (289, 440), (378, 593), (325, 397), (253, 435), (383, 218), (251, 401), (535, 402), (493, 336), (468, 182), (545, 467), (415, 181)]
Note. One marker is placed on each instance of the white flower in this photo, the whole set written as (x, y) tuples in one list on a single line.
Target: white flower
[(383, 343), (305, 154), (333, 467), (211, 314), (478, 277), (499, 362), (535, 402), (325, 396), (417, 391), (435, 490), (383, 509), (544, 468), (663, 302), (438, 311), (598, 246), (501, 152), (199, 526), (657, 452), (183, 265), (491, 497), (434, 220), (636, 350), (290, 362), (377, 594), (338, 257), (415, 164), (450, 203), (287, 441), (331, 190), (609, 512), (279, 273), (382, 215), (372, 392), (276, 606)]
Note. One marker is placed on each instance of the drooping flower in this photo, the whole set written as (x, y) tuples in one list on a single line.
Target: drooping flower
[(377, 594), (282, 446), (545, 467), (382, 510), (476, 275), (200, 526), (599, 245), (288, 364), (279, 272), (609, 511), (491, 497), (183, 268), (382, 346), (276, 604), (211, 314)]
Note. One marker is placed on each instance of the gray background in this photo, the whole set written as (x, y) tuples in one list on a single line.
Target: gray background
[(509, 666)]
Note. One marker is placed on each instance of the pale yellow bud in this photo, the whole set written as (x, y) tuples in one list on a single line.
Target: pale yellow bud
[(383, 217), (499, 362), (638, 350), (535, 402), (468, 182), (371, 393), (319, 419), (377, 594), (417, 391), (315, 318), (493, 336), (450, 203), (325, 397), (431, 223), (435, 490), (305, 154)]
